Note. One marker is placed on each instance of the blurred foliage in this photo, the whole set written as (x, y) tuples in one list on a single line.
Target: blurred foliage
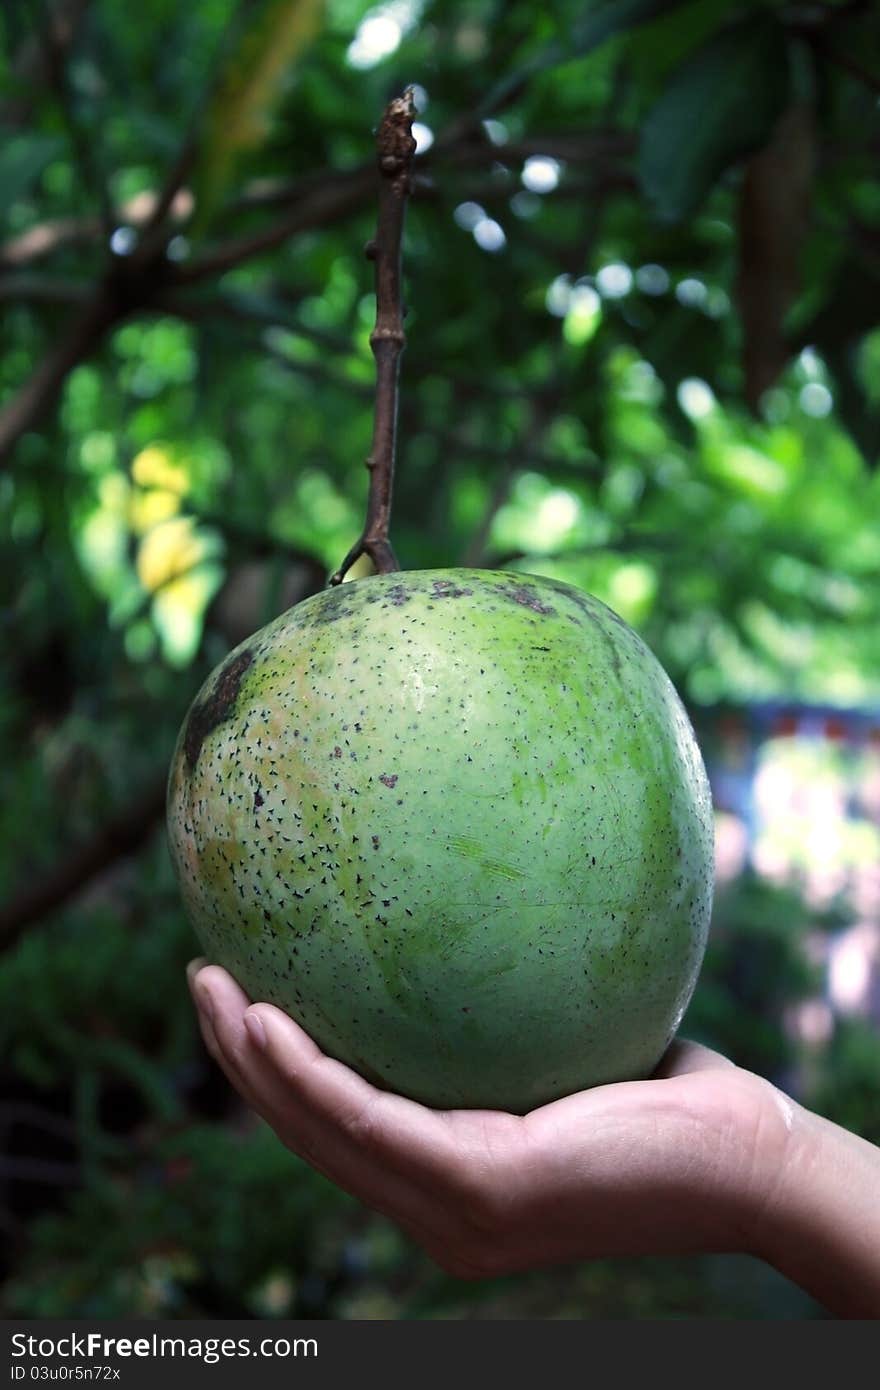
[(755, 968), (642, 267)]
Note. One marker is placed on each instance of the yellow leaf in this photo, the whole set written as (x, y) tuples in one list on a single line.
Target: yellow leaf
[(149, 508), (154, 467), (169, 551), (179, 610)]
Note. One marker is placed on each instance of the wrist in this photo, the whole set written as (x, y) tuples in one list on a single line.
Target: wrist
[(759, 1145), (817, 1217)]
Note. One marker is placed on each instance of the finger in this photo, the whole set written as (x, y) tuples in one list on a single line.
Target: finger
[(337, 1149), (225, 1003), (684, 1057), (205, 1012), (393, 1130), (203, 1007), (222, 1004), (417, 1165), (202, 1002), (195, 965), (412, 1137)]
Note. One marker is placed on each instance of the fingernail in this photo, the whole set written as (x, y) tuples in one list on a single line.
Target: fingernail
[(205, 1002), (254, 1024), (195, 965)]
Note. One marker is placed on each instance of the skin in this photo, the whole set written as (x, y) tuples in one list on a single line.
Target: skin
[(703, 1157)]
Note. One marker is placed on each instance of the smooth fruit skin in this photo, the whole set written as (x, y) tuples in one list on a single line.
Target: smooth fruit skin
[(456, 824)]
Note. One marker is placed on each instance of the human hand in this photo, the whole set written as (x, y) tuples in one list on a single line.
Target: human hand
[(688, 1161)]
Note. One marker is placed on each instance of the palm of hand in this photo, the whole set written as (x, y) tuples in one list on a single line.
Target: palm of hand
[(682, 1162)]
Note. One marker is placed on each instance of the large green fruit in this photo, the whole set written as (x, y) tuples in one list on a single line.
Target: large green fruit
[(457, 825)]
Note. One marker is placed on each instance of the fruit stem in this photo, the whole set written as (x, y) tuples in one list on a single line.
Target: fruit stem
[(395, 148)]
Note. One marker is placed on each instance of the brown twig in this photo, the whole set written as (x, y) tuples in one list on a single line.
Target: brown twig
[(395, 148)]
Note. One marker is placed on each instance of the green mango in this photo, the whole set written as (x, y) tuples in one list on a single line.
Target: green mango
[(456, 824)]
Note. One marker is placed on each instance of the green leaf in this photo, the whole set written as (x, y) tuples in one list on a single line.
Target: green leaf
[(22, 159), (721, 104), (660, 47), (603, 20), (600, 23), (239, 112)]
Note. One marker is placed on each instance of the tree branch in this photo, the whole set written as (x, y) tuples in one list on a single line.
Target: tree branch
[(125, 287), (396, 148), (637, 542), (35, 397), (55, 57), (474, 554), (847, 63), (597, 148), (169, 196), (45, 237), (46, 289), (120, 837), (29, 70), (542, 412), (150, 280), (326, 204)]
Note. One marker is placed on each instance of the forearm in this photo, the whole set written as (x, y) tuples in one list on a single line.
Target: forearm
[(821, 1227)]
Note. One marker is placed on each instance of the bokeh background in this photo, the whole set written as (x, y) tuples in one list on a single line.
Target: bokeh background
[(643, 258)]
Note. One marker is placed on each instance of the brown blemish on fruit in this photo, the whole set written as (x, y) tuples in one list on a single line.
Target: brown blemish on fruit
[(444, 588), (217, 706), (528, 598)]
